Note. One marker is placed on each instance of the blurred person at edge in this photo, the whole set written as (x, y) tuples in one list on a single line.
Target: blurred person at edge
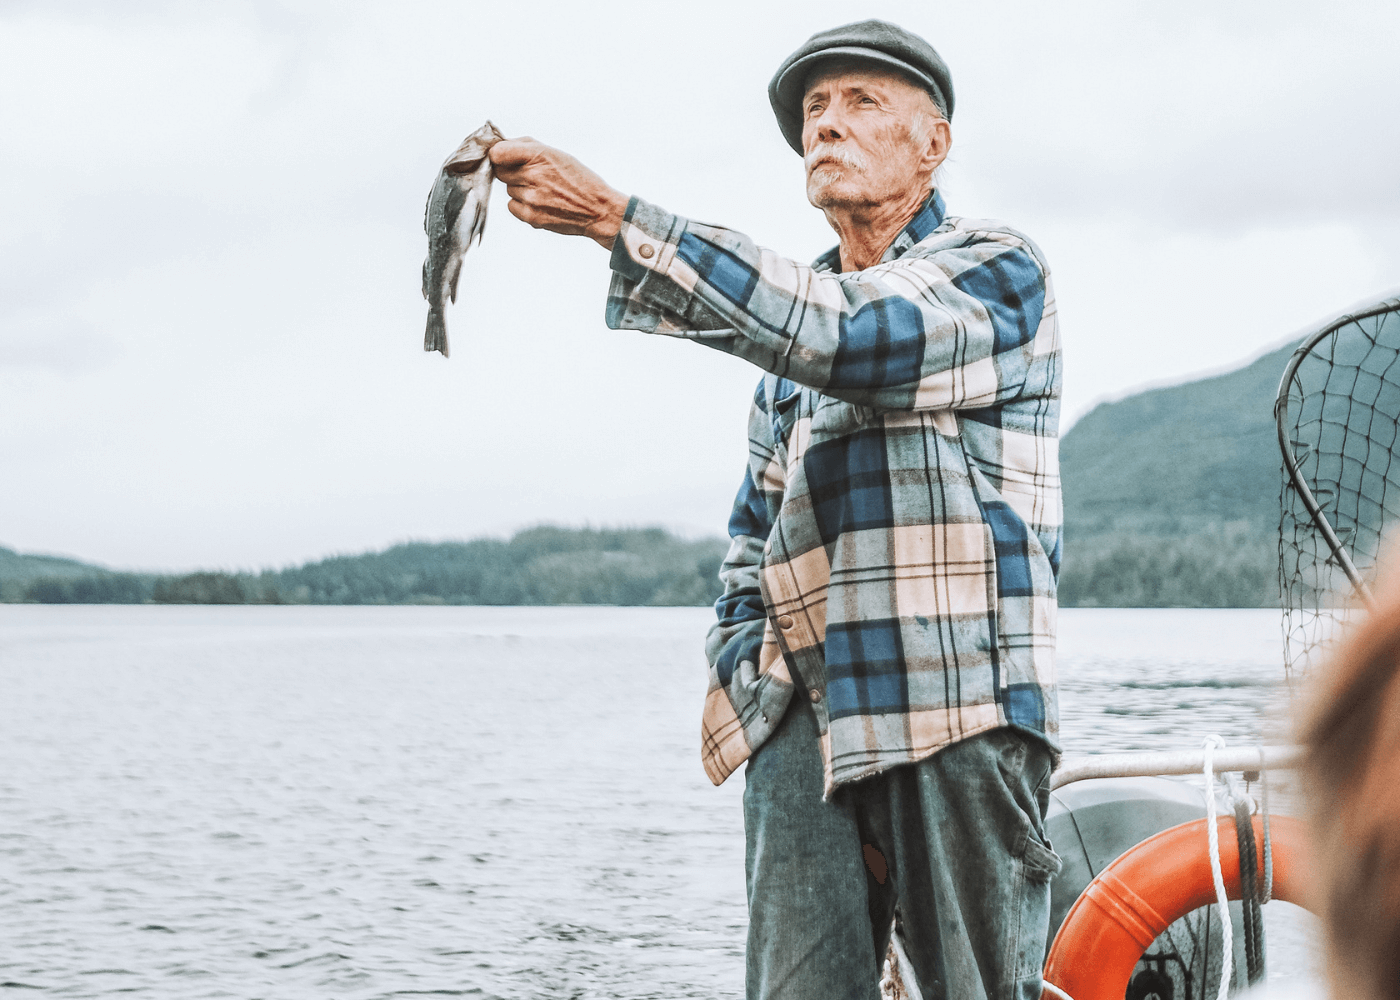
[(883, 658), (1350, 729)]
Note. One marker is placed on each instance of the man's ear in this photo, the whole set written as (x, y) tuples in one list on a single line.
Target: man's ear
[(940, 142)]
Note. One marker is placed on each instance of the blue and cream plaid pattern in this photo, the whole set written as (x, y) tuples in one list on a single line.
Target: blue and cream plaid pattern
[(896, 539)]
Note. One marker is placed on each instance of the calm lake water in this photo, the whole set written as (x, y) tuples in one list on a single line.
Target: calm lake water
[(377, 802)]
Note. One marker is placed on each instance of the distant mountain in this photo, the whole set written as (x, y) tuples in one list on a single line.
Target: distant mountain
[(18, 572), (1172, 495), (1197, 453), (14, 566)]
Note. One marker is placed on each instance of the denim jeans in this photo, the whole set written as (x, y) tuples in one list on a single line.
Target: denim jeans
[(956, 843)]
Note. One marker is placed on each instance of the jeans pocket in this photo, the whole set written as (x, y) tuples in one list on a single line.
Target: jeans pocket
[(1041, 864), (1036, 866)]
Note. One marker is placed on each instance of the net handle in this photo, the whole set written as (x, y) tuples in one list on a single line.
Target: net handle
[(1285, 444)]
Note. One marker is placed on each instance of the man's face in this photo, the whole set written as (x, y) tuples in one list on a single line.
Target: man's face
[(860, 136)]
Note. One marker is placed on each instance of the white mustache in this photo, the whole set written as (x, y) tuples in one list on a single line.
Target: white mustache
[(831, 151)]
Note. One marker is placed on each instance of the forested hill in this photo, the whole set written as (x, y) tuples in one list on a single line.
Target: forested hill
[(26, 577), (1172, 495), (24, 568), (543, 565)]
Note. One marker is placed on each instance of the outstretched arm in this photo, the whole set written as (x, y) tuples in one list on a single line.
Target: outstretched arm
[(954, 324)]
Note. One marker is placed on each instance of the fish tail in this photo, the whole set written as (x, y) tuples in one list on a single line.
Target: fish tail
[(435, 339)]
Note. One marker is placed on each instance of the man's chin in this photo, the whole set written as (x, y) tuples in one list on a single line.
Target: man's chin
[(835, 194)]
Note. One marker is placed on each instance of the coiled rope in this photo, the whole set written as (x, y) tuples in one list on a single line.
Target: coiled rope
[(1249, 893)]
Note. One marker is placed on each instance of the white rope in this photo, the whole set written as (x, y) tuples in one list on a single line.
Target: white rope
[(1227, 933), (1055, 990)]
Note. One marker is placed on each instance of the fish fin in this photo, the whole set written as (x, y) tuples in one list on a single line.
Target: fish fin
[(435, 337), (479, 218), (454, 272), (425, 278)]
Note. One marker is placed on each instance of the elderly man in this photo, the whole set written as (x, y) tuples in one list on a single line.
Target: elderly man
[(884, 654)]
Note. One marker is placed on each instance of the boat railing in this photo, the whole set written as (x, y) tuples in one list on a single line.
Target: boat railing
[(1151, 763)]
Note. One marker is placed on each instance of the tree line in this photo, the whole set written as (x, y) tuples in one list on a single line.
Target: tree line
[(648, 566), (538, 566), (1214, 568)]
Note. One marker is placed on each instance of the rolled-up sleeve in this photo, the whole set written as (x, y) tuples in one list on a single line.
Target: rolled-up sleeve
[(951, 324)]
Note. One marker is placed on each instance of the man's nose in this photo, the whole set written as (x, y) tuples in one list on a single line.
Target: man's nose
[(829, 126), (826, 127)]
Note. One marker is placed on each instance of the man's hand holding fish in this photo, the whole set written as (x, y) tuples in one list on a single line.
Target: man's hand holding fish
[(549, 189)]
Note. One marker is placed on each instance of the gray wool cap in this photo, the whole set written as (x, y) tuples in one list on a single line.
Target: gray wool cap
[(872, 41)]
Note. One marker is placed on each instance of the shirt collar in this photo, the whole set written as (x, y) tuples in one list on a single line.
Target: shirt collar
[(925, 221)]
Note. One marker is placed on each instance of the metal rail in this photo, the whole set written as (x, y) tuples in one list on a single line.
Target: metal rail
[(1143, 765)]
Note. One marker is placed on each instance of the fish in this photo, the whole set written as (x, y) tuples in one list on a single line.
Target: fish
[(454, 219)]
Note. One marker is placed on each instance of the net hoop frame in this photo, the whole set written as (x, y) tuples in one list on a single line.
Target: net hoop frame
[(1290, 462)]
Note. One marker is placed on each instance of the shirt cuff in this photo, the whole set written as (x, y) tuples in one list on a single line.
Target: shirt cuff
[(622, 261), (647, 240)]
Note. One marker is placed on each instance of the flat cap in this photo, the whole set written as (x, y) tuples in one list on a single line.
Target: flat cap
[(872, 41)]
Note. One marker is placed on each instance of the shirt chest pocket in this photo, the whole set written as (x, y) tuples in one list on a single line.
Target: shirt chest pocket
[(835, 417)]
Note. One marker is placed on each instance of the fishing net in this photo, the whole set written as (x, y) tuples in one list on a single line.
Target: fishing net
[(1337, 411)]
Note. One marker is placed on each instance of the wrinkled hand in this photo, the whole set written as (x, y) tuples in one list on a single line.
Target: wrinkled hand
[(549, 189)]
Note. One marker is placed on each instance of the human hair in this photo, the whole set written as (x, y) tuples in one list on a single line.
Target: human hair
[(919, 126), (1350, 729)]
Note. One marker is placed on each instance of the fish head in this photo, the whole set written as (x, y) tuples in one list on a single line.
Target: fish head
[(473, 150)]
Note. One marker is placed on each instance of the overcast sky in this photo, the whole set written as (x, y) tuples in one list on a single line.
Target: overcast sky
[(211, 236)]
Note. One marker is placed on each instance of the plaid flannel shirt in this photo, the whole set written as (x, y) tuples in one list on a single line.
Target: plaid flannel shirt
[(896, 539)]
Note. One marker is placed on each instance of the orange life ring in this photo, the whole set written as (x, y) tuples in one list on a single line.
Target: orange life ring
[(1162, 879)]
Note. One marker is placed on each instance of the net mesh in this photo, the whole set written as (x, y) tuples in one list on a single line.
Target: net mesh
[(1339, 412)]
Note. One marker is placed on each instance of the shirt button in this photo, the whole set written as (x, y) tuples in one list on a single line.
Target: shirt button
[(647, 251), (785, 622), (815, 695)]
